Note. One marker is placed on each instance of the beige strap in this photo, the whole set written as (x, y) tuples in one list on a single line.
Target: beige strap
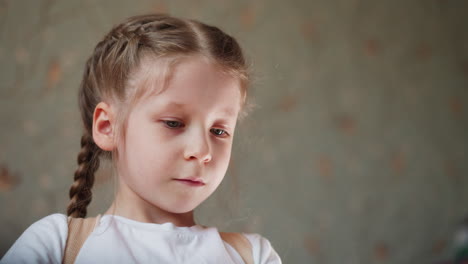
[(240, 243), (78, 231)]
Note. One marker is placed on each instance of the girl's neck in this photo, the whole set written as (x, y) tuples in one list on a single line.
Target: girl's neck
[(177, 219), (128, 205)]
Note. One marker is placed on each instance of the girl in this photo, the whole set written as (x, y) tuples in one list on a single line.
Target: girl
[(160, 96)]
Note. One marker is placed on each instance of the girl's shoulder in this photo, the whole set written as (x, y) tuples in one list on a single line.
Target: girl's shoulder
[(262, 250), (41, 242)]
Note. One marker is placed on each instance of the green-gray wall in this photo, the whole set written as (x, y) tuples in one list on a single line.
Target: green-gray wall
[(355, 153)]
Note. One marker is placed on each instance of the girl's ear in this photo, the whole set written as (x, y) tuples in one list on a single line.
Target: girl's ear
[(103, 126)]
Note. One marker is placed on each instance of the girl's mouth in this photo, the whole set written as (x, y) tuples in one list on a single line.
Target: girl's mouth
[(191, 181)]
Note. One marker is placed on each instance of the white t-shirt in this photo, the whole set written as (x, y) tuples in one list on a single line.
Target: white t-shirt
[(116, 239)]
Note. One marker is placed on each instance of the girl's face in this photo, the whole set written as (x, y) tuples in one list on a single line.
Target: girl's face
[(178, 142)]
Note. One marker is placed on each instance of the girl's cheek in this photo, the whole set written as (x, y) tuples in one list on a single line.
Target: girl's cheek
[(170, 134), (223, 146)]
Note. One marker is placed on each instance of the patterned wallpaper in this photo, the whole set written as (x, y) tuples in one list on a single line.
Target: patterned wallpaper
[(356, 151)]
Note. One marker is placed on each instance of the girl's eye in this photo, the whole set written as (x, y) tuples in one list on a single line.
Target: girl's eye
[(173, 124), (219, 132)]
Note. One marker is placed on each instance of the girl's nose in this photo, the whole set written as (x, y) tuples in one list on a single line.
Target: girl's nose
[(198, 148)]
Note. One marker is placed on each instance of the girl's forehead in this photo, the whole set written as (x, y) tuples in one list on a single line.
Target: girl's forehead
[(191, 82), (155, 74)]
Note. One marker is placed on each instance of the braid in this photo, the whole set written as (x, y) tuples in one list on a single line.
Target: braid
[(80, 191), (144, 25)]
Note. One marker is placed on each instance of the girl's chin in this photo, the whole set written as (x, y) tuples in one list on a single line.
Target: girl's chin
[(182, 208)]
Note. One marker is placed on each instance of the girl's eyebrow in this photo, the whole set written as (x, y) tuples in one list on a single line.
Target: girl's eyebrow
[(174, 105), (228, 111), (180, 106)]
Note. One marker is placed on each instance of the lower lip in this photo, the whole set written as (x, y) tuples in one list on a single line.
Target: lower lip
[(191, 183)]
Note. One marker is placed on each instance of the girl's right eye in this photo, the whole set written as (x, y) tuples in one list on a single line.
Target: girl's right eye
[(173, 123)]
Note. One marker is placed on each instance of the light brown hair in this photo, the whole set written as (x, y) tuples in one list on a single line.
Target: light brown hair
[(114, 61)]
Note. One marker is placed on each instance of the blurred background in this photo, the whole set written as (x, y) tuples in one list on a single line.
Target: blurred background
[(355, 153)]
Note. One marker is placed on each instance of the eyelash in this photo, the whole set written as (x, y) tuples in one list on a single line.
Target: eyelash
[(176, 124)]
